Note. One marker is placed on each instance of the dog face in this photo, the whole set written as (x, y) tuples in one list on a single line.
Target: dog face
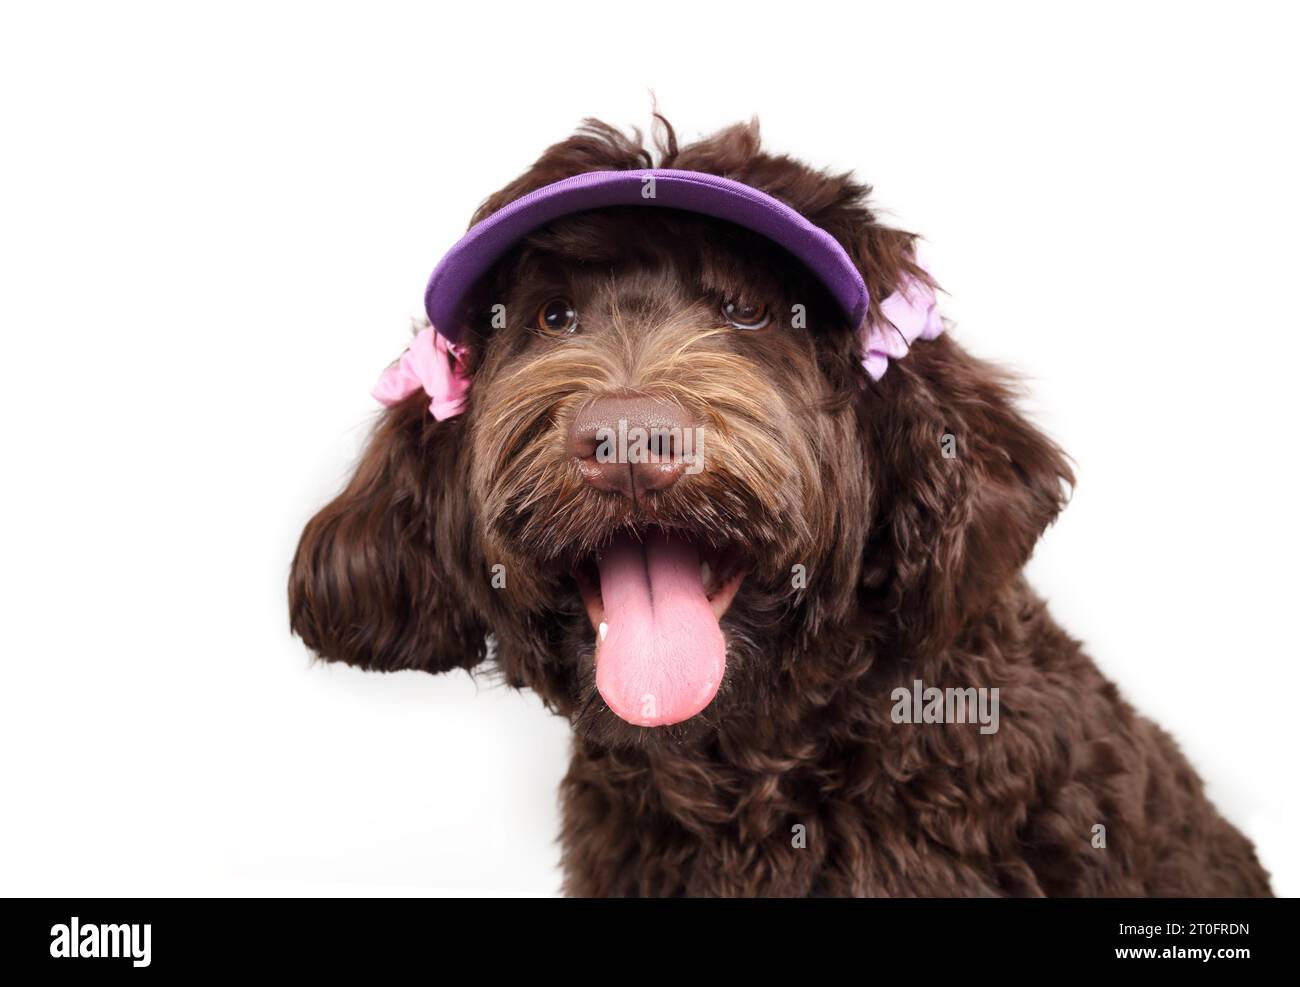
[(672, 459), (668, 328)]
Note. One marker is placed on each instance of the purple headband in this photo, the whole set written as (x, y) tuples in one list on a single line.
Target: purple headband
[(668, 188), (434, 360)]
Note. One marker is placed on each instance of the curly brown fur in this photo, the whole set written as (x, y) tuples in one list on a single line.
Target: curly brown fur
[(913, 564)]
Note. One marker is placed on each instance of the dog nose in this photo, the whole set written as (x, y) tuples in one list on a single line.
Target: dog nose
[(631, 445)]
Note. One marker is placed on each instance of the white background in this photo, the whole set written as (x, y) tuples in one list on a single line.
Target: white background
[(216, 220)]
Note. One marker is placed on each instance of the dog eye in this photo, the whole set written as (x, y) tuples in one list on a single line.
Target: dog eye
[(744, 315), (557, 317)]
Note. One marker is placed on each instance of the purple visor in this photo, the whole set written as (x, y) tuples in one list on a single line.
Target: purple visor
[(670, 188)]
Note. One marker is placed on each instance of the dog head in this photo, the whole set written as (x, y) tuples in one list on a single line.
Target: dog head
[(675, 502)]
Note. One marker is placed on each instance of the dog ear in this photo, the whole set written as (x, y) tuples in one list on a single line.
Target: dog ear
[(382, 577), (964, 487), (962, 484)]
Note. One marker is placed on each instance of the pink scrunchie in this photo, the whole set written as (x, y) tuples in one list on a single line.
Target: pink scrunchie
[(431, 363), (909, 314)]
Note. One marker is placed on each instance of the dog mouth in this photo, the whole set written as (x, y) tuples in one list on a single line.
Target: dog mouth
[(655, 599)]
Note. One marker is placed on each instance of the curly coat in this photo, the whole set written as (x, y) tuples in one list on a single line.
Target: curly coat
[(913, 563)]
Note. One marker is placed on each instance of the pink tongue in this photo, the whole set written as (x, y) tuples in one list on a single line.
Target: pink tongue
[(663, 655)]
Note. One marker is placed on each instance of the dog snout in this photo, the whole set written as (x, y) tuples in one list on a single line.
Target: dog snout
[(630, 445)]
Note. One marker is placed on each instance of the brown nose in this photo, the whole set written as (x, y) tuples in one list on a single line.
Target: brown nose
[(630, 445)]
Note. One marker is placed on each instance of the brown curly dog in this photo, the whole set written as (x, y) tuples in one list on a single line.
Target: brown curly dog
[(898, 715)]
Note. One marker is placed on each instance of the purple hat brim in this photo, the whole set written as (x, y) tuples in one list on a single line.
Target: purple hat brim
[(691, 191)]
